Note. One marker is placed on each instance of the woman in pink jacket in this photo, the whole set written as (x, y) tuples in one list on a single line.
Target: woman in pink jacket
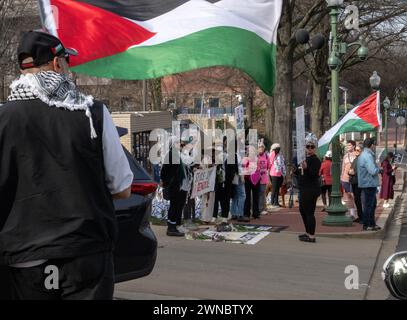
[(277, 173), (263, 164)]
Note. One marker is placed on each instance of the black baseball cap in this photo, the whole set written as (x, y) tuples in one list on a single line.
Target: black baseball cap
[(369, 142), (42, 47)]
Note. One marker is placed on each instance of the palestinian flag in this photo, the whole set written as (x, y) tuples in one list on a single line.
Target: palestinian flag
[(143, 39), (362, 118)]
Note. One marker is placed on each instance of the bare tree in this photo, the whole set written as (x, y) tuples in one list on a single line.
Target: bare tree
[(279, 115), (383, 27), (14, 16)]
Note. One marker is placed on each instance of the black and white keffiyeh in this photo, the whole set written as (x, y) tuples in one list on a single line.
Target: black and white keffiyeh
[(54, 89)]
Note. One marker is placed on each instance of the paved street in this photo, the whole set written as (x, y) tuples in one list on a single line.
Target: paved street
[(278, 267)]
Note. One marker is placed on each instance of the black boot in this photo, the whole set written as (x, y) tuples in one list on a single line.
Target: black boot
[(172, 231)]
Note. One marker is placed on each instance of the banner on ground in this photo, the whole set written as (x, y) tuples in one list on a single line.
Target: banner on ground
[(250, 238), (204, 181)]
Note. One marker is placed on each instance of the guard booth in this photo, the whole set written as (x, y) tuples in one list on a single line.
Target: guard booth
[(139, 126)]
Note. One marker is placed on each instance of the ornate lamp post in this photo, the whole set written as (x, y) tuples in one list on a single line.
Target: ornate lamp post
[(337, 211), (375, 81), (386, 105)]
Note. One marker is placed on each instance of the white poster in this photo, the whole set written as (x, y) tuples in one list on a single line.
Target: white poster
[(300, 129), (400, 159), (204, 181)]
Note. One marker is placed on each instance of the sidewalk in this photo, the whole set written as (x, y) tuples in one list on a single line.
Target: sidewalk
[(291, 218)]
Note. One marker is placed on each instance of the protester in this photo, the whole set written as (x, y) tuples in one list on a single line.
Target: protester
[(176, 181), (353, 173), (156, 173), (252, 184), (388, 179), (188, 156), (326, 178), (61, 165), (310, 189), (239, 193), (347, 160), (263, 164), (277, 173), (368, 181), (225, 172)]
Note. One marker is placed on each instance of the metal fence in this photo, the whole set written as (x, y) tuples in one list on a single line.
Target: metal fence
[(210, 112)]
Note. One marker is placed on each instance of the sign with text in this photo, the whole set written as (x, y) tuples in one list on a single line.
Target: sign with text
[(400, 159), (204, 181), (300, 129)]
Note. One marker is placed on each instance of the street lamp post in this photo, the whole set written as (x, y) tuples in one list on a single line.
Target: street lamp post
[(337, 211), (386, 105), (375, 81)]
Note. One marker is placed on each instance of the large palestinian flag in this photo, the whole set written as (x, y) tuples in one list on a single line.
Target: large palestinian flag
[(142, 39), (362, 118)]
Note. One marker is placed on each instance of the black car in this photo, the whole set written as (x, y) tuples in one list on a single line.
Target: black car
[(136, 247)]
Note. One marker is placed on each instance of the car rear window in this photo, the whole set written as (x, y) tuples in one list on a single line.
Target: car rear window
[(139, 172)]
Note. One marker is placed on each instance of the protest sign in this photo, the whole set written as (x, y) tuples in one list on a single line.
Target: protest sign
[(204, 181), (300, 129)]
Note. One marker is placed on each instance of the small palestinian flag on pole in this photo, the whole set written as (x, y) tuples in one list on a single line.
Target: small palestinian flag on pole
[(362, 118), (143, 39)]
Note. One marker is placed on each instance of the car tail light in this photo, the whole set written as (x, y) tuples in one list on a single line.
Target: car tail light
[(143, 188)]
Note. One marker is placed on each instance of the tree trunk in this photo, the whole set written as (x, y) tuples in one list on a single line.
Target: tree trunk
[(269, 120), (281, 104), (2, 89), (282, 107), (249, 110), (155, 93), (318, 106)]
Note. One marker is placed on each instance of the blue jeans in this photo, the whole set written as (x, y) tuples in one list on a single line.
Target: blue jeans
[(369, 206), (238, 200)]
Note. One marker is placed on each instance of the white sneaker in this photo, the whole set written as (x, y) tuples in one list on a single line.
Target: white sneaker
[(264, 213), (189, 225), (182, 229)]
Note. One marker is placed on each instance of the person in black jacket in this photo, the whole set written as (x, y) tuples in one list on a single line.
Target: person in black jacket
[(176, 183), (225, 173), (61, 165), (310, 189)]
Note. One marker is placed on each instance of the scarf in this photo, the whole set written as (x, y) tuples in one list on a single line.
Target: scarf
[(54, 89)]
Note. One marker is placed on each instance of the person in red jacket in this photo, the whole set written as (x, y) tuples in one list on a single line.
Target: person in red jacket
[(326, 178)]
